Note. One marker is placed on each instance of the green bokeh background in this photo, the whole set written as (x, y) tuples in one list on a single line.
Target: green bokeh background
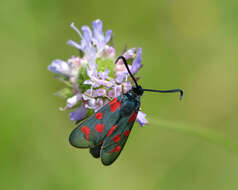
[(188, 145)]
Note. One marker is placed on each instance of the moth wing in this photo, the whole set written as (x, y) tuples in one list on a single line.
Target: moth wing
[(92, 131), (95, 151), (115, 142)]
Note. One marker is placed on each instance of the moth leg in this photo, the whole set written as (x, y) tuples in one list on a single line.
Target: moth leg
[(123, 89)]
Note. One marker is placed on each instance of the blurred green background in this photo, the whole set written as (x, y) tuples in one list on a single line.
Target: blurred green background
[(188, 145)]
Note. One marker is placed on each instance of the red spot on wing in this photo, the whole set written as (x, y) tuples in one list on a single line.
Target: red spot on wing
[(99, 115), (113, 101), (133, 117), (116, 149), (114, 104), (99, 127), (116, 138), (111, 130), (85, 130), (126, 133)]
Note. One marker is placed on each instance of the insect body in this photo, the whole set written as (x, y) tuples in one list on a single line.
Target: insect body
[(107, 131)]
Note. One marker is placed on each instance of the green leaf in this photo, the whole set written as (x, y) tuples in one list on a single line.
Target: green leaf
[(82, 76), (64, 93), (103, 64), (64, 79), (90, 112)]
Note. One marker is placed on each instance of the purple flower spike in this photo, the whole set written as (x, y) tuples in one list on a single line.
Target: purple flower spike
[(74, 44), (141, 118), (91, 77), (100, 82), (99, 40), (98, 105), (93, 84), (86, 45), (71, 102), (59, 67), (120, 76), (136, 65), (103, 75), (97, 30), (108, 36), (130, 53), (100, 92), (90, 101), (90, 92), (79, 114), (109, 52), (76, 29), (115, 92), (87, 34)]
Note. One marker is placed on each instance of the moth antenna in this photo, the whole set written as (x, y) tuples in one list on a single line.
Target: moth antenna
[(125, 63), (167, 91)]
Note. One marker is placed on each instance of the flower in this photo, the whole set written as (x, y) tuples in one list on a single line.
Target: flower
[(93, 77), (69, 69), (115, 91), (59, 67), (104, 75), (99, 39), (141, 118), (79, 114), (71, 102), (100, 92), (136, 64)]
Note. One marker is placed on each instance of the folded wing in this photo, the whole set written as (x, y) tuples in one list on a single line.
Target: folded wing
[(115, 142)]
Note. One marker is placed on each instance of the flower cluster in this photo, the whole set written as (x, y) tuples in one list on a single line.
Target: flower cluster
[(92, 78)]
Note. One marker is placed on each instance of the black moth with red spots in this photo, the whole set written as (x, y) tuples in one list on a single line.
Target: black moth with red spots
[(107, 131)]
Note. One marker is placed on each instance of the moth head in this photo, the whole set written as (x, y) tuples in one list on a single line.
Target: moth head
[(138, 90)]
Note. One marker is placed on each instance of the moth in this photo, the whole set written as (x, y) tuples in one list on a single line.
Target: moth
[(105, 132)]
